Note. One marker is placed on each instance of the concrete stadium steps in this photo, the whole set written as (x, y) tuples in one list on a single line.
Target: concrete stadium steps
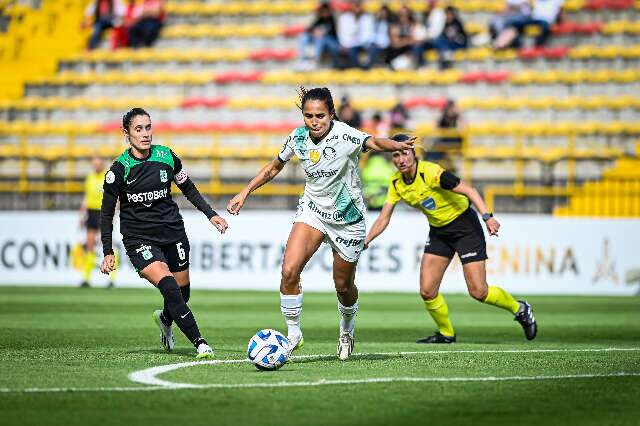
[(422, 109), (226, 60)]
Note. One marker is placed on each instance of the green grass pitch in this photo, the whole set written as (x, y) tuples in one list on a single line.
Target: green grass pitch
[(66, 356)]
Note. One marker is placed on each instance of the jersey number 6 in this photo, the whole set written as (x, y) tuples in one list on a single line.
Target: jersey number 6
[(181, 253)]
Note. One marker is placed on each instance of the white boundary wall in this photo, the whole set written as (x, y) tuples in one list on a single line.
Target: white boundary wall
[(533, 255)]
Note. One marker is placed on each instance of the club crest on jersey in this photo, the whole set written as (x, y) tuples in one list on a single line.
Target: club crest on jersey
[(163, 176), (314, 156)]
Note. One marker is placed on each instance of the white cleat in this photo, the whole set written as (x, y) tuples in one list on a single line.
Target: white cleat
[(296, 341), (166, 334), (204, 351), (346, 342)]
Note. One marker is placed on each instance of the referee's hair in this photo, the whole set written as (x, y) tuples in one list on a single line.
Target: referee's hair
[(126, 119), (317, 94), (402, 137)]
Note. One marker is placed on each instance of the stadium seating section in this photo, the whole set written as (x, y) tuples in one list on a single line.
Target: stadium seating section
[(560, 121)]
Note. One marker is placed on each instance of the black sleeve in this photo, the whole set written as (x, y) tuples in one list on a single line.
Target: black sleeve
[(189, 189), (448, 180), (113, 181)]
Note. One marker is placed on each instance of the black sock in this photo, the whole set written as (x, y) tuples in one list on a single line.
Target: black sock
[(178, 309), (166, 317)]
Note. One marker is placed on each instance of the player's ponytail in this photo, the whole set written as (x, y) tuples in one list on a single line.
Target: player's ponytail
[(317, 94)]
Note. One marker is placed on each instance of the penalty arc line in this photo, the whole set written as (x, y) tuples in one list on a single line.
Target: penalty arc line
[(322, 382), (147, 376)]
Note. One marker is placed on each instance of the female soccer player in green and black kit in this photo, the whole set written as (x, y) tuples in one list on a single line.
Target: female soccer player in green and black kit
[(454, 227), (151, 226)]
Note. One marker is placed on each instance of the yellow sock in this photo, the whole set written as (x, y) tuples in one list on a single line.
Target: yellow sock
[(500, 298), (89, 265), (439, 311)]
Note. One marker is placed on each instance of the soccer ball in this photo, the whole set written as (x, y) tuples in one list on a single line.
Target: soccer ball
[(268, 349)]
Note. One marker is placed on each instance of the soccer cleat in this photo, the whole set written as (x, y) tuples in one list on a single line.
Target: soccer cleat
[(437, 338), (295, 342), (527, 320), (166, 334), (346, 342), (204, 351), (84, 284)]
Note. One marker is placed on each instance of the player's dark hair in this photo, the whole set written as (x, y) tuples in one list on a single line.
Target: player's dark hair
[(317, 94), (128, 117), (402, 137)]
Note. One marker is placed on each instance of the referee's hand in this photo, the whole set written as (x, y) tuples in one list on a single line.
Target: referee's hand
[(108, 264), (493, 226), (220, 224)]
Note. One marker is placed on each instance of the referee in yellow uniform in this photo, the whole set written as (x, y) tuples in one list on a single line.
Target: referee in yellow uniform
[(453, 228), (90, 218)]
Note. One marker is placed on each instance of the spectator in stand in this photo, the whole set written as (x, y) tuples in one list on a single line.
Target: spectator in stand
[(322, 36), (149, 20), (101, 15), (381, 40), (514, 10), (356, 34), (398, 117), (378, 126), (453, 37), (402, 39), (450, 122), (429, 27), (121, 30), (545, 13), (348, 114)]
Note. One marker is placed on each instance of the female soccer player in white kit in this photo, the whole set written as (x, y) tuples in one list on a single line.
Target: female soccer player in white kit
[(331, 209)]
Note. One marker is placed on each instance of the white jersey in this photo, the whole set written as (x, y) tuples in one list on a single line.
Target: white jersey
[(333, 191)]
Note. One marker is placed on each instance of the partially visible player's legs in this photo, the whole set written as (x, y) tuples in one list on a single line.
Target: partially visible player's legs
[(158, 274), (344, 273), (432, 270), (163, 317), (476, 277), (304, 240), (90, 257)]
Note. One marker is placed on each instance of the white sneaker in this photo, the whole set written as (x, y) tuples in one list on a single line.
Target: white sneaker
[(346, 342), (204, 351), (166, 334), (296, 341)]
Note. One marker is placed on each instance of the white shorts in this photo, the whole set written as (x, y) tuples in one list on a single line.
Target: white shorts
[(347, 240)]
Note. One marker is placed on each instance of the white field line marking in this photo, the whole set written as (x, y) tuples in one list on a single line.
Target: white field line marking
[(147, 376), (321, 382)]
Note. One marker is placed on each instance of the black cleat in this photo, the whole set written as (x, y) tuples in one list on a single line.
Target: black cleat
[(84, 284), (437, 338), (527, 320)]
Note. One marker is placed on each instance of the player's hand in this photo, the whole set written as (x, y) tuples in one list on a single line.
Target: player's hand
[(236, 203), (492, 226), (366, 244), (220, 224), (108, 264), (409, 144)]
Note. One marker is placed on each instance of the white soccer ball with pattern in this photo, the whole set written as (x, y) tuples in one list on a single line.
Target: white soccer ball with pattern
[(268, 349)]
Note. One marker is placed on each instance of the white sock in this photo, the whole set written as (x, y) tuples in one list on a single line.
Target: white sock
[(291, 308), (348, 321)]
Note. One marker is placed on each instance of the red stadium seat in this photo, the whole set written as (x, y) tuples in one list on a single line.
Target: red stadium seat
[(293, 30)]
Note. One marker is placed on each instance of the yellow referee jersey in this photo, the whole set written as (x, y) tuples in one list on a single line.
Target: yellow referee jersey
[(93, 190), (440, 206)]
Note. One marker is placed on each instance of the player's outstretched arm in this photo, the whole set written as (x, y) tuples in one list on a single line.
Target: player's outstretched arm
[(267, 173), (194, 196), (111, 188), (389, 145), (476, 199), (381, 223)]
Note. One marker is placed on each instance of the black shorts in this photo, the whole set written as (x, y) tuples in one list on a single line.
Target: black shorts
[(93, 219), (143, 253), (464, 236)]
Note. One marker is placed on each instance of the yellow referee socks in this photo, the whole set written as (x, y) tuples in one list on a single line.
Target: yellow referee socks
[(439, 311), (500, 298), (89, 265)]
